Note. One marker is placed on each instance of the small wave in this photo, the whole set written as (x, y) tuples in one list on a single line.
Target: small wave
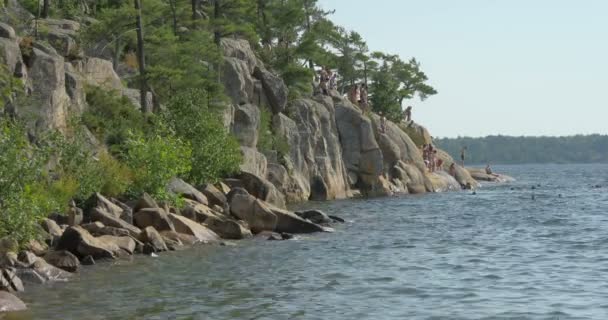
[(555, 222), (381, 279), (492, 277), (408, 291), (414, 268)]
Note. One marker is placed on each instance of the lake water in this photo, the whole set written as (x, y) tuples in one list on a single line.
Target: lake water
[(498, 254)]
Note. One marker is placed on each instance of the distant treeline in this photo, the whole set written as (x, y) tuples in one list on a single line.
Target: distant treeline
[(516, 150)]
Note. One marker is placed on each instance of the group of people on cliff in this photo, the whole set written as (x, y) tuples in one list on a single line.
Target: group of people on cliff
[(431, 160)]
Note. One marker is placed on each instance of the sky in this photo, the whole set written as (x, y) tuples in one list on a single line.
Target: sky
[(510, 67)]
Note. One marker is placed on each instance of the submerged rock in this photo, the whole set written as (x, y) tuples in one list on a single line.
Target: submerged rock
[(314, 216)]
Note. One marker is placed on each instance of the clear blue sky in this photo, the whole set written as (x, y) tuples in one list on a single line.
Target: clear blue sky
[(512, 67)]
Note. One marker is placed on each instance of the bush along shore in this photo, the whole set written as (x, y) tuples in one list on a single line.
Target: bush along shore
[(199, 125)]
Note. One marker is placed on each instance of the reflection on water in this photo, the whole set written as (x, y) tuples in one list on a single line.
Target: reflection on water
[(495, 255)]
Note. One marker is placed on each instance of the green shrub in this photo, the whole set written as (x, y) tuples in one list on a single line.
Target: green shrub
[(117, 177), (154, 160), (267, 139), (21, 177), (110, 116), (215, 153)]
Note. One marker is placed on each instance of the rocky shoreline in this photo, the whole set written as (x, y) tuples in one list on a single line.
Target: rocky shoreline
[(113, 230), (334, 151)]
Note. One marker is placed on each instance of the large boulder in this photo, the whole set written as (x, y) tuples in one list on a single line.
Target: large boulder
[(274, 88), (125, 243), (179, 239), (246, 124), (227, 228), (289, 222), (237, 80), (40, 271), (314, 216), (110, 220), (9, 281), (151, 237), (10, 55), (262, 189), (153, 217), (63, 259), (197, 212), (108, 206), (187, 226), (10, 303), (98, 229), (80, 242), (254, 162), (240, 49), (7, 31), (253, 211), (180, 187), (47, 75), (51, 227), (145, 201), (214, 195)]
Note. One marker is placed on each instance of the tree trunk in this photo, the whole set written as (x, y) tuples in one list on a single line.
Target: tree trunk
[(217, 11), (143, 88), (173, 15), (194, 8), (116, 53), (45, 9)]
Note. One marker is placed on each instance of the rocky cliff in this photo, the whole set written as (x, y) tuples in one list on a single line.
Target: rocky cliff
[(334, 150)]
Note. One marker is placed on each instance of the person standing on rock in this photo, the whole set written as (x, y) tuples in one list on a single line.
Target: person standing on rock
[(382, 122), (333, 81), (324, 78), (407, 115), (462, 154), (363, 101)]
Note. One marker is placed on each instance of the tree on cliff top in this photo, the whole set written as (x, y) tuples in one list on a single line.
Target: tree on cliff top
[(395, 81)]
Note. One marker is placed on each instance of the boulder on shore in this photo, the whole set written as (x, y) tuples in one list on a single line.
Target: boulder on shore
[(187, 226), (63, 259), (153, 217), (180, 187), (153, 239), (80, 242), (227, 228), (10, 303), (314, 216), (253, 211)]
